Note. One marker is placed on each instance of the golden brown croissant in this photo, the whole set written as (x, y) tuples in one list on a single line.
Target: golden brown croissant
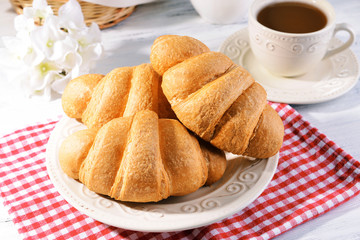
[(140, 159), (215, 98), (95, 99)]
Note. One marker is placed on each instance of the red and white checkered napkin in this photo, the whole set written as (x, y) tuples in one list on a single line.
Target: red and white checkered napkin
[(314, 175)]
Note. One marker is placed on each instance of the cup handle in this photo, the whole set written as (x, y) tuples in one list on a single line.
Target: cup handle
[(342, 27)]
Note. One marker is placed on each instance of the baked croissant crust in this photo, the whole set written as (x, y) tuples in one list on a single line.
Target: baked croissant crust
[(140, 159), (215, 98), (95, 99)]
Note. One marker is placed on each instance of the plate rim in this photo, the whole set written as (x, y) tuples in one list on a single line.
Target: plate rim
[(216, 214), (285, 99)]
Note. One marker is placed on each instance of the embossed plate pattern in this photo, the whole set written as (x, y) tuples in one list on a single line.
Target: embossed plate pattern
[(332, 78), (243, 181)]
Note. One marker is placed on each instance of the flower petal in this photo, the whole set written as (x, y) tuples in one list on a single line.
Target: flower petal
[(24, 24), (60, 84), (39, 4), (71, 12)]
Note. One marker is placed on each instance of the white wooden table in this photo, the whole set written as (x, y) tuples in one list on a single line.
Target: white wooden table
[(128, 44)]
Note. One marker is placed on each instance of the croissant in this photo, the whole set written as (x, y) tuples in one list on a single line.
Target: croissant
[(140, 159), (95, 99), (215, 98)]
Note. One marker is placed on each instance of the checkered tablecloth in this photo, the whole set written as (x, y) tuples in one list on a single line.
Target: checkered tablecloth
[(314, 175)]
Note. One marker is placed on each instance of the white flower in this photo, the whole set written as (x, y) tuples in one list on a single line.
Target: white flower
[(12, 68), (48, 38), (23, 26), (39, 10), (42, 59), (90, 46), (42, 75), (88, 38), (15, 46), (23, 50)]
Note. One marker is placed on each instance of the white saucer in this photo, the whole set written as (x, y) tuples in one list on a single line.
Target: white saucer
[(243, 181), (332, 78)]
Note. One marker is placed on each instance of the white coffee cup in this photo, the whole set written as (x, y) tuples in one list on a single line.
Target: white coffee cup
[(222, 11), (293, 54)]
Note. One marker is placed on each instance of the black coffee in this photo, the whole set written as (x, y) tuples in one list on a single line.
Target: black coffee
[(292, 17)]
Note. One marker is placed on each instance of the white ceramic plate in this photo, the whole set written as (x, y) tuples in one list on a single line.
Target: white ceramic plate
[(332, 78), (243, 181)]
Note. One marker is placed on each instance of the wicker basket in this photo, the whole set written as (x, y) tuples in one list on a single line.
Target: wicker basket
[(104, 16)]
